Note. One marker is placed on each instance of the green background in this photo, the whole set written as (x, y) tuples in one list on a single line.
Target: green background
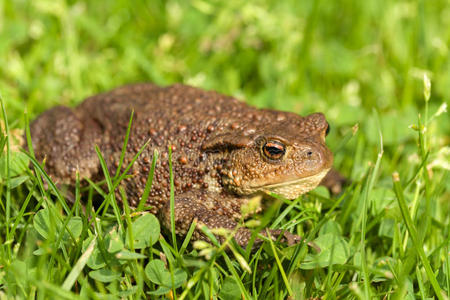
[(358, 62)]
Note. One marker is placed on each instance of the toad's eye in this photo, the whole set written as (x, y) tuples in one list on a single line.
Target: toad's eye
[(328, 129), (274, 150)]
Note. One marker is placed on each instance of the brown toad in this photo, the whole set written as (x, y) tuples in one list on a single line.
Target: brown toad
[(224, 151)]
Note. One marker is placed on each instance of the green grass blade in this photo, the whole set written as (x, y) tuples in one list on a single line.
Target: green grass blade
[(133, 160), (237, 278), (111, 196), (414, 236), (22, 210), (149, 182), (50, 182), (124, 147), (368, 188), (280, 266), (78, 267), (172, 202), (8, 176), (126, 208), (188, 236)]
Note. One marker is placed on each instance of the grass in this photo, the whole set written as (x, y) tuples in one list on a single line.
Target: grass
[(361, 63)]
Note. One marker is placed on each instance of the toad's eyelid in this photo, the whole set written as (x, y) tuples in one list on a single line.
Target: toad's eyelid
[(275, 144), (276, 139)]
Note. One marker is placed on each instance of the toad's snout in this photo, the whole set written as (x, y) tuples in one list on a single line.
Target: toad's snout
[(312, 158)]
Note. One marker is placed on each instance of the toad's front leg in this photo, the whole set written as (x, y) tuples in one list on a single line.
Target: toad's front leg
[(214, 211)]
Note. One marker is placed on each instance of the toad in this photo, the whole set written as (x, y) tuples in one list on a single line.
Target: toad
[(224, 152)]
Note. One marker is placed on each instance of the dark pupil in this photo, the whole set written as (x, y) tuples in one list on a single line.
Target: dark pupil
[(274, 149)]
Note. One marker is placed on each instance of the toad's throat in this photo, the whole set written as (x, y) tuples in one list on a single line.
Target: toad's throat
[(294, 188)]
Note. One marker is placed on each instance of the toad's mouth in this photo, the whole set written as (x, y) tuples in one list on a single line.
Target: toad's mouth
[(293, 188)]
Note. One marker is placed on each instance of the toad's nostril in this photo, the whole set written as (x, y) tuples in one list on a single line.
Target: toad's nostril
[(309, 153)]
